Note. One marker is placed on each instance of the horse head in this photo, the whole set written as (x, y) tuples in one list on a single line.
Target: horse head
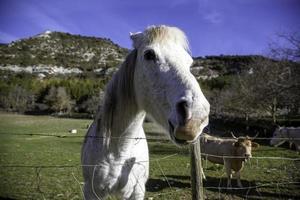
[(279, 136), (164, 86)]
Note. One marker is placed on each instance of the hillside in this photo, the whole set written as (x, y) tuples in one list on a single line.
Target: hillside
[(56, 52), (209, 67), (64, 53), (56, 72)]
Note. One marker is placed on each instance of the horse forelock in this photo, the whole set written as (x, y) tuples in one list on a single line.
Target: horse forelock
[(119, 90), (162, 33)]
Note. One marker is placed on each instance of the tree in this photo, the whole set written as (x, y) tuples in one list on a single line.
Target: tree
[(92, 104), (266, 87), (58, 100), (270, 86), (288, 48), (18, 99)]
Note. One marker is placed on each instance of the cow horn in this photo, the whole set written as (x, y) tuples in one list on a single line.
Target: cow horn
[(232, 135), (255, 136)]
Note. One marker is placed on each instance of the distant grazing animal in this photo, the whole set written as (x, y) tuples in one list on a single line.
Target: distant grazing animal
[(155, 78), (73, 131), (232, 153), (286, 134)]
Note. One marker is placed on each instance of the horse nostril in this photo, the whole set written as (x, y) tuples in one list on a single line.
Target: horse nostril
[(184, 112)]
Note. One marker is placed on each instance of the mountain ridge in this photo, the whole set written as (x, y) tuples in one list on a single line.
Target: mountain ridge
[(62, 50), (53, 52)]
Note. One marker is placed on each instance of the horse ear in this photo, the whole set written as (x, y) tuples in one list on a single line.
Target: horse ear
[(137, 39), (254, 145)]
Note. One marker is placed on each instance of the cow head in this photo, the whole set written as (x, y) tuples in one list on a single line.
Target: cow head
[(243, 147)]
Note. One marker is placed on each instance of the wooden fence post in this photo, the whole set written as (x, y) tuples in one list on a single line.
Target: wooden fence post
[(196, 176)]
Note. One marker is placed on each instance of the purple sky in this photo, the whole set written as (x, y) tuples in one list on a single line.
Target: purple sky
[(213, 26)]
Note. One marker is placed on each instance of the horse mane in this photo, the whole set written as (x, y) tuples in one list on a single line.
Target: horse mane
[(164, 33), (119, 89)]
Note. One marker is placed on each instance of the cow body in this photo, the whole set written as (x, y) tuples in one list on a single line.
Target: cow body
[(232, 153)]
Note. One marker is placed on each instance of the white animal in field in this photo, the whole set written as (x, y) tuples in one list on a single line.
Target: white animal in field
[(73, 131), (155, 79), (286, 134), (232, 153)]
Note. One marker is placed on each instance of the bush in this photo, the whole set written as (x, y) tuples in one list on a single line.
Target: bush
[(58, 100), (17, 99)]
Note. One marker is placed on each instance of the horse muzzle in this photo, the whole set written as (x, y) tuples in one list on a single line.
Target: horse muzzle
[(187, 133)]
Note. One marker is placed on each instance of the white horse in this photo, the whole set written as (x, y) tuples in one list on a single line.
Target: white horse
[(155, 79)]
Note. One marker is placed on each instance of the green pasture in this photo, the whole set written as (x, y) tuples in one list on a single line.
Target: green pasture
[(34, 165)]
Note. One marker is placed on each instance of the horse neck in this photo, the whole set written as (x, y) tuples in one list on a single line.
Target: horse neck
[(126, 130), (121, 119), (127, 127), (123, 129)]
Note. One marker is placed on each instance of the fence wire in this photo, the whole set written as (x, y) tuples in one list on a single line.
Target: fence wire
[(160, 137), (38, 169)]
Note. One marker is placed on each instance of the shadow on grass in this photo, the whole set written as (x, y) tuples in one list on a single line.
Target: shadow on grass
[(156, 185), (219, 186), (251, 190)]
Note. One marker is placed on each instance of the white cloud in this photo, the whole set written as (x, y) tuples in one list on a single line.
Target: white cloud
[(208, 12), (213, 17), (45, 18), (46, 22)]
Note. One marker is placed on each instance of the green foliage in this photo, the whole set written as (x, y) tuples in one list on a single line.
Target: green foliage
[(219, 83), (91, 104), (17, 99), (58, 100), (76, 91)]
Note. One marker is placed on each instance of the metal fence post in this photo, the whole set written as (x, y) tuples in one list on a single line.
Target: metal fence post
[(196, 176)]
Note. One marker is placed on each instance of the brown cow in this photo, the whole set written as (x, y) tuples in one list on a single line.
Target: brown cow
[(232, 153)]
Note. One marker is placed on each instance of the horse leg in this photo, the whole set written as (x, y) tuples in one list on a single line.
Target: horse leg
[(138, 192), (90, 194)]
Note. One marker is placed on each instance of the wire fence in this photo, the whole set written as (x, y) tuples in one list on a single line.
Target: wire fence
[(169, 183), (157, 138)]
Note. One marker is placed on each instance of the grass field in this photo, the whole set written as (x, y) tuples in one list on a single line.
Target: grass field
[(34, 165)]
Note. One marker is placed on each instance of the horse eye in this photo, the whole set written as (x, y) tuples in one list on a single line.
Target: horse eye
[(149, 55)]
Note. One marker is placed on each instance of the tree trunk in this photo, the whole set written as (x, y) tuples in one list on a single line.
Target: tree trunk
[(247, 121), (274, 109)]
